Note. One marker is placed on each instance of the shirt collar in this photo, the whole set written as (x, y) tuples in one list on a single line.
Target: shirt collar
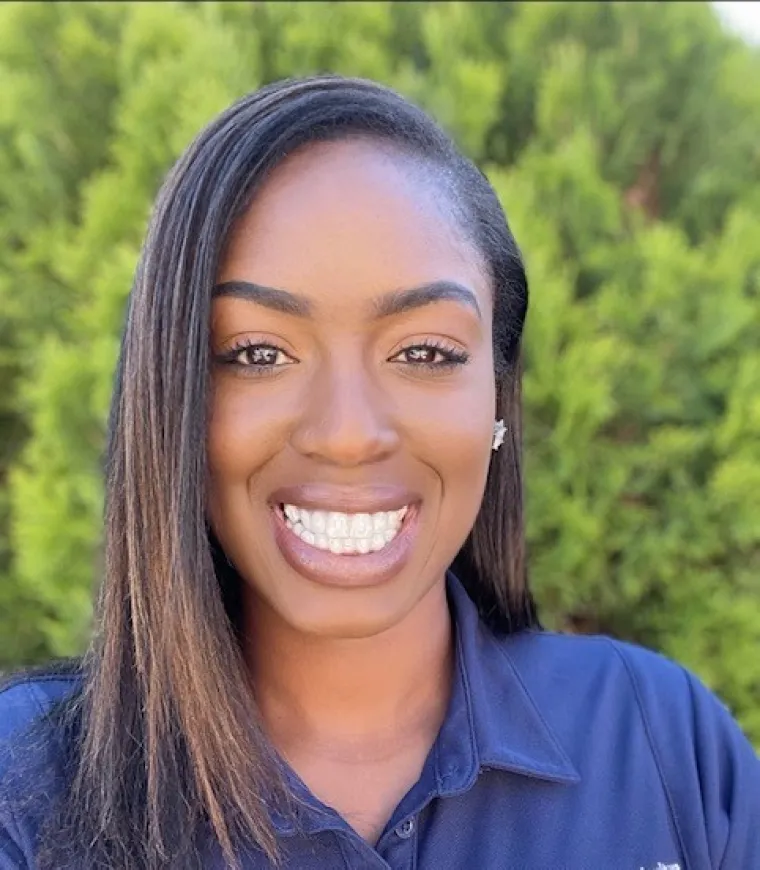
[(492, 720)]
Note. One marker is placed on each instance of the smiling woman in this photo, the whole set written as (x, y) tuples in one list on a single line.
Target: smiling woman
[(316, 646), (359, 381)]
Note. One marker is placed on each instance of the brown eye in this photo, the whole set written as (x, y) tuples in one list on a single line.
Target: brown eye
[(255, 357), (428, 355), (263, 355), (432, 356)]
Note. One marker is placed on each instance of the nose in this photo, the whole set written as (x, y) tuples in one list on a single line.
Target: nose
[(347, 420)]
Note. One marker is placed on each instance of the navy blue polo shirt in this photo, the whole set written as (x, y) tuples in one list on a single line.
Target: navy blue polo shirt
[(558, 752)]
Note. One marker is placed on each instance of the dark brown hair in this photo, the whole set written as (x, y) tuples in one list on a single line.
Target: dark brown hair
[(166, 741)]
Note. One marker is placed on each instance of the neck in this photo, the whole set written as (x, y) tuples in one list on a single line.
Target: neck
[(362, 695)]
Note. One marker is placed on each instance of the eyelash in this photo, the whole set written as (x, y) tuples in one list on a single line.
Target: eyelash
[(453, 357)]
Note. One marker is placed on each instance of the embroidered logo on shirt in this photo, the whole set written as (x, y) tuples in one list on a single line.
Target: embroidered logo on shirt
[(661, 866)]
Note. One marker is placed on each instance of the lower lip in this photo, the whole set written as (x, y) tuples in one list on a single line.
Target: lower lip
[(347, 570)]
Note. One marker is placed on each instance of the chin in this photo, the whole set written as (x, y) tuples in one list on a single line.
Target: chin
[(348, 614)]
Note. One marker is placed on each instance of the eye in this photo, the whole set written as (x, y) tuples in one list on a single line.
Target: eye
[(431, 355), (255, 356)]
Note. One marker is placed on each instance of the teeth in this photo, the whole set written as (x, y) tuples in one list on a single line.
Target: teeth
[(361, 526), (341, 533), (395, 518), (337, 525), (318, 522)]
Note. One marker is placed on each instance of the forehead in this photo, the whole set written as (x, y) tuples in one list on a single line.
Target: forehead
[(341, 220)]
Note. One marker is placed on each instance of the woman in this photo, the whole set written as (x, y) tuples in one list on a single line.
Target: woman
[(316, 415)]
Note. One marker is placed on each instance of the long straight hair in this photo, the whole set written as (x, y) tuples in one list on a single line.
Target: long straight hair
[(166, 740)]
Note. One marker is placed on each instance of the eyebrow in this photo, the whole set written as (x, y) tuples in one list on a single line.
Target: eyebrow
[(269, 297), (400, 301), (386, 305)]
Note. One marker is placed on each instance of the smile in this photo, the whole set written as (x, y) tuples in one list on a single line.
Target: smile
[(365, 543), (344, 533)]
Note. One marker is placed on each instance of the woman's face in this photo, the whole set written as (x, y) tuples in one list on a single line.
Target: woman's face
[(353, 390)]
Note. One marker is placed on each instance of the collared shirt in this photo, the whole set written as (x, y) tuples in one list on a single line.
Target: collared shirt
[(557, 752)]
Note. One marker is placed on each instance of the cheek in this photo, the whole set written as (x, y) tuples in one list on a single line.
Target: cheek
[(243, 432), (461, 450), (458, 423), (454, 432)]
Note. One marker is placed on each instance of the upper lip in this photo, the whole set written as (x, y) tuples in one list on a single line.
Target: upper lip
[(346, 499)]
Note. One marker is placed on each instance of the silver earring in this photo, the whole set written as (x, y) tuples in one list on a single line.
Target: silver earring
[(499, 431)]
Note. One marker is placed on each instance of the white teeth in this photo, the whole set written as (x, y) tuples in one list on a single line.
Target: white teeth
[(361, 526), (395, 518), (337, 525), (342, 533)]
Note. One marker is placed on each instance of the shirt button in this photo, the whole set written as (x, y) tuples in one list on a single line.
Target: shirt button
[(405, 829)]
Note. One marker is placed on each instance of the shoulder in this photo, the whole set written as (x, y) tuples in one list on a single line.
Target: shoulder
[(639, 673), (30, 749), (27, 696), (26, 700), (628, 701), (595, 672), (599, 677)]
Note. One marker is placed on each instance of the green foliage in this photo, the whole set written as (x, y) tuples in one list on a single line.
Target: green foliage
[(623, 140)]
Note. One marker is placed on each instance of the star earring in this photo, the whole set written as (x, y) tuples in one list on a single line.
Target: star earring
[(499, 431)]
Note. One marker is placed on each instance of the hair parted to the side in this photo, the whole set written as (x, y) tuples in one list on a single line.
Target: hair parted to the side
[(167, 741)]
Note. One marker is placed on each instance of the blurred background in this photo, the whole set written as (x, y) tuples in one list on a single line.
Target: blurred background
[(624, 141)]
